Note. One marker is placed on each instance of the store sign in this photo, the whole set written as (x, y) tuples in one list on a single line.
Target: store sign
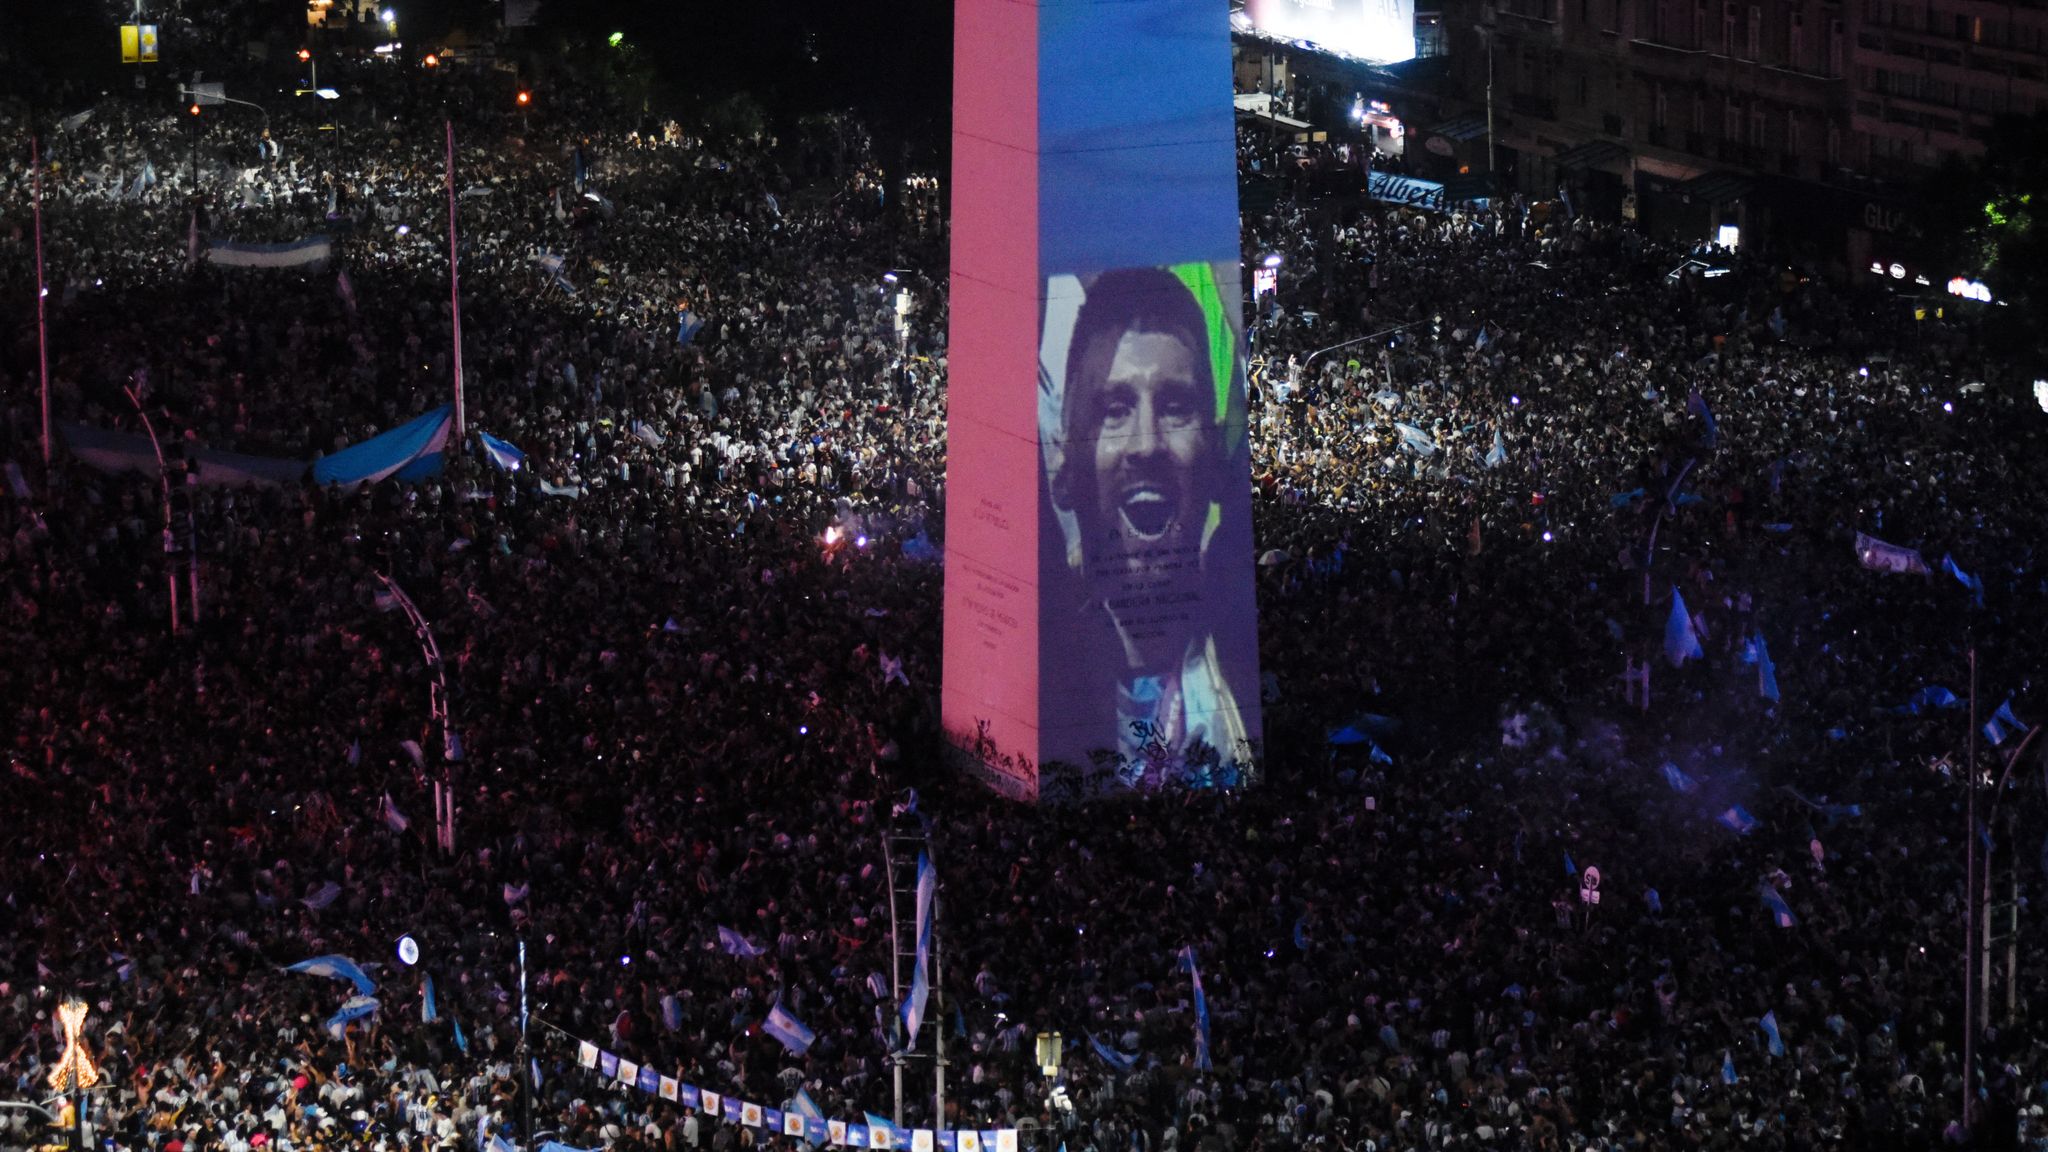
[(1406, 190), (1883, 218), (1970, 289)]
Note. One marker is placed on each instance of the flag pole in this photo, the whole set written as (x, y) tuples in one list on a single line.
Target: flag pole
[(1970, 896), (454, 285), (35, 162)]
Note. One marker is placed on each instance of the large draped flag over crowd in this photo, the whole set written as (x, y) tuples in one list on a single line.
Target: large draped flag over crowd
[(411, 451)]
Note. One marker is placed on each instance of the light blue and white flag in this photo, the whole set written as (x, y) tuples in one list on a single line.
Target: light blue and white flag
[(688, 324), (411, 451), (1710, 433), (671, 1012), (1498, 454), (2002, 724), (1927, 699), (1679, 781), (502, 453), (1194, 971), (1770, 1026), (429, 1011), (1766, 672), (912, 1010), (1681, 642), (393, 818), (1974, 584), (1879, 556), (1121, 1061), (1739, 819), (461, 1041), (321, 897), (1416, 440), (735, 944), (311, 252), (353, 1009), (788, 1029), (1728, 1075), (806, 1109), (336, 967), (1781, 912)]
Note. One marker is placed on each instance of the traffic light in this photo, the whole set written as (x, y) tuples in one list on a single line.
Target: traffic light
[(432, 61), (194, 110), (525, 98), (304, 55)]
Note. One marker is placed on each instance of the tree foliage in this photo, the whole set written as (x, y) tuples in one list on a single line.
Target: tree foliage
[(1989, 218)]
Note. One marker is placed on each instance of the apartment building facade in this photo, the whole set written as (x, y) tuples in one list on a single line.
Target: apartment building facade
[(1793, 120)]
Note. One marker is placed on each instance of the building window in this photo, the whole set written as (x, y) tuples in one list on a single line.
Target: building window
[(1727, 29), (1793, 143), (1731, 122), (1834, 47), (1756, 125), (1660, 107), (1699, 25), (1796, 41), (1834, 146)]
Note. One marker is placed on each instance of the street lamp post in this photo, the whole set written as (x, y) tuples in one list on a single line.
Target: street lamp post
[(1970, 914), (1362, 339), (437, 712), (163, 474)]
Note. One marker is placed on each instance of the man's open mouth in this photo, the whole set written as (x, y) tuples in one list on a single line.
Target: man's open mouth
[(1147, 512)]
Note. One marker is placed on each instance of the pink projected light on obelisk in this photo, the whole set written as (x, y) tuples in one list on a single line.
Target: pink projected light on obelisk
[(1100, 629)]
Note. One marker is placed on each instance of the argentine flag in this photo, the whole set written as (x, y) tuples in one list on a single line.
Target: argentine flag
[(1679, 781), (1739, 819), (1122, 1062), (1974, 584), (912, 1010), (735, 944), (353, 1009), (338, 968), (502, 453), (1781, 912), (788, 1029), (2002, 724), (1766, 672), (1187, 962), (1770, 1026), (1681, 642)]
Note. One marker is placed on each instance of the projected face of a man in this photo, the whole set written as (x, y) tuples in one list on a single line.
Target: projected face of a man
[(1155, 442)]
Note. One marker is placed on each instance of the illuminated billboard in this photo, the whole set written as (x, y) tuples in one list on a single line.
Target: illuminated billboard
[(1382, 31), (1100, 626)]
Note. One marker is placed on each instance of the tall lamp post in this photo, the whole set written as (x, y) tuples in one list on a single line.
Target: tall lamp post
[(163, 474), (1970, 912), (437, 713)]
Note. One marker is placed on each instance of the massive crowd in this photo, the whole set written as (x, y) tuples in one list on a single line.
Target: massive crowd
[(680, 710)]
